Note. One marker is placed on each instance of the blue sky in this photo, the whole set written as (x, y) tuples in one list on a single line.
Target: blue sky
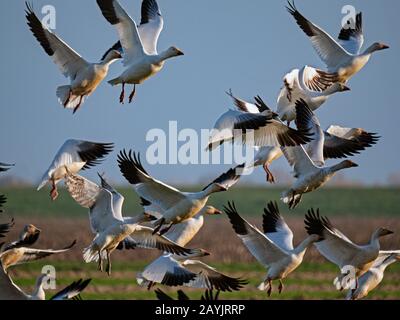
[(244, 45)]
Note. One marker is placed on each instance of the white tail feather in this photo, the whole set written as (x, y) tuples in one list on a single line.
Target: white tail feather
[(63, 94), (90, 254)]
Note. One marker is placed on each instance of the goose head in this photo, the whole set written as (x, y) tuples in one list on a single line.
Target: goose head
[(381, 232), (377, 46), (172, 52), (39, 292), (348, 164), (210, 210), (112, 56), (30, 234)]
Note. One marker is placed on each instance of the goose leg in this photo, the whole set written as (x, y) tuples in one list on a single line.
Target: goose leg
[(68, 99), (100, 262), (269, 291), (270, 176), (281, 286), (108, 269), (132, 94), (159, 225), (288, 123), (53, 191), (151, 285), (122, 96), (78, 106)]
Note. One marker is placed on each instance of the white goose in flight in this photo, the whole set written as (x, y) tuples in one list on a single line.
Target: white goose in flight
[(254, 125), (174, 270), (21, 255), (309, 162), (342, 56), (273, 248), (10, 291), (312, 85), (175, 206), (139, 43), (339, 142), (85, 77), (340, 250), (110, 226), (374, 276), (73, 156)]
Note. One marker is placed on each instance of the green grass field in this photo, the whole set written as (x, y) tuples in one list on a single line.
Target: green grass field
[(367, 202), (357, 211), (310, 281)]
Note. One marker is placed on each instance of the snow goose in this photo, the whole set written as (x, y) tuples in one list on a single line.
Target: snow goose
[(374, 276), (177, 206), (310, 84), (29, 235), (189, 272), (264, 155), (174, 271), (139, 47), (10, 291), (111, 227), (343, 57), (74, 155), (340, 250), (84, 77), (20, 255), (342, 142), (256, 125), (185, 274), (273, 248), (309, 166), (339, 142)]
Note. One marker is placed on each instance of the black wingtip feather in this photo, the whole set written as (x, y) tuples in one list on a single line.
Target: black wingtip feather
[(271, 217), (177, 279), (5, 228), (37, 30), (347, 32), (117, 47), (231, 176), (261, 105), (238, 224), (77, 286), (94, 155), (130, 166), (108, 10), (150, 10), (303, 23), (316, 224), (226, 283)]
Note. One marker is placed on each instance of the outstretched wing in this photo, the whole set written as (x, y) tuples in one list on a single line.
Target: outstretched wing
[(68, 60)]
